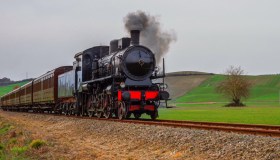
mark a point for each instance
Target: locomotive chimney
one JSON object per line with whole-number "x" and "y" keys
{"x": 135, "y": 34}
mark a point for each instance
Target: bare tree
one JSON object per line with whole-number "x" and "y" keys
{"x": 235, "y": 86}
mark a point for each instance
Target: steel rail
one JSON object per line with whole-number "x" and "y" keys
{"x": 265, "y": 130}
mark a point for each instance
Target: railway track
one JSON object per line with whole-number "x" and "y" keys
{"x": 265, "y": 130}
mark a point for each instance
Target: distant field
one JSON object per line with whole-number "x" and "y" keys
{"x": 8, "y": 88}
{"x": 265, "y": 88}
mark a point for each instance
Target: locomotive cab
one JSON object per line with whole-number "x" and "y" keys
{"x": 86, "y": 63}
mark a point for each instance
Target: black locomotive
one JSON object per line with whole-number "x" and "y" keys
{"x": 115, "y": 80}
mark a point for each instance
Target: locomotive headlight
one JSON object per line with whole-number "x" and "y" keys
{"x": 122, "y": 84}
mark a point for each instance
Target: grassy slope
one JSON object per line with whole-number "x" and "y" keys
{"x": 265, "y": 88}
{"x": 9, "y": 88}
{"x": 179, "y": 85}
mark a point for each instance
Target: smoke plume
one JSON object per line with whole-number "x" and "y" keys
{"x": 152, "y": 35}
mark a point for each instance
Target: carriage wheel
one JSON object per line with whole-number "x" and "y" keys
{"x": 68, "y": 105}
{"x": 64, "y": 108}
{"x": 72, "y": 109}
{"x": 121, "y": 110}
{"x": 76, "y": 111}
{"x": 69, "y": 109}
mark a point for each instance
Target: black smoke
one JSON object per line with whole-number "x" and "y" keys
{"x": 151, "y": 34}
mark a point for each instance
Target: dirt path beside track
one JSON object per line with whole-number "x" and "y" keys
{"x": 71, "y": 138}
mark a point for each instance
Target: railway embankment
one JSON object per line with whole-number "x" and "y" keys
{"x": 75, "y": 138}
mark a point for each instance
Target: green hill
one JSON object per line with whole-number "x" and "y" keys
{"x": 266, "y": 88}
{"x": 6, "y": 89}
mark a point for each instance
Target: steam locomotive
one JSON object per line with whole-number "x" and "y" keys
{"x": 106, "y": 81}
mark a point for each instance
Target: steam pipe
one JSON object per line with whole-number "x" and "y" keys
{"x": 135, "y": 34}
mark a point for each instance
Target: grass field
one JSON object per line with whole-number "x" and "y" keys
{"x": 8, "y": 88}
{"x": 203, "y": 103}
{"x": 213, "y": 113}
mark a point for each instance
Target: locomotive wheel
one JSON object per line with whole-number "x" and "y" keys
{"x": 121, "y": 110}
{"x": 137, "y": 115}
{"x": 99, "y": 114}
{"x": 90, "y": 107}
{"x": 99, "y": 110}
{"x": 115, "y": 112}
{"x": 90, "y": 113}
{"x": 107, "y": 108}
{"x": 128, "y": 115}
{"x": 154, "y": 115}
{"x": 107, "y": 112}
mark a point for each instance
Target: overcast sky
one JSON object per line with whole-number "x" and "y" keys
{"x": 39, "y": 35}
